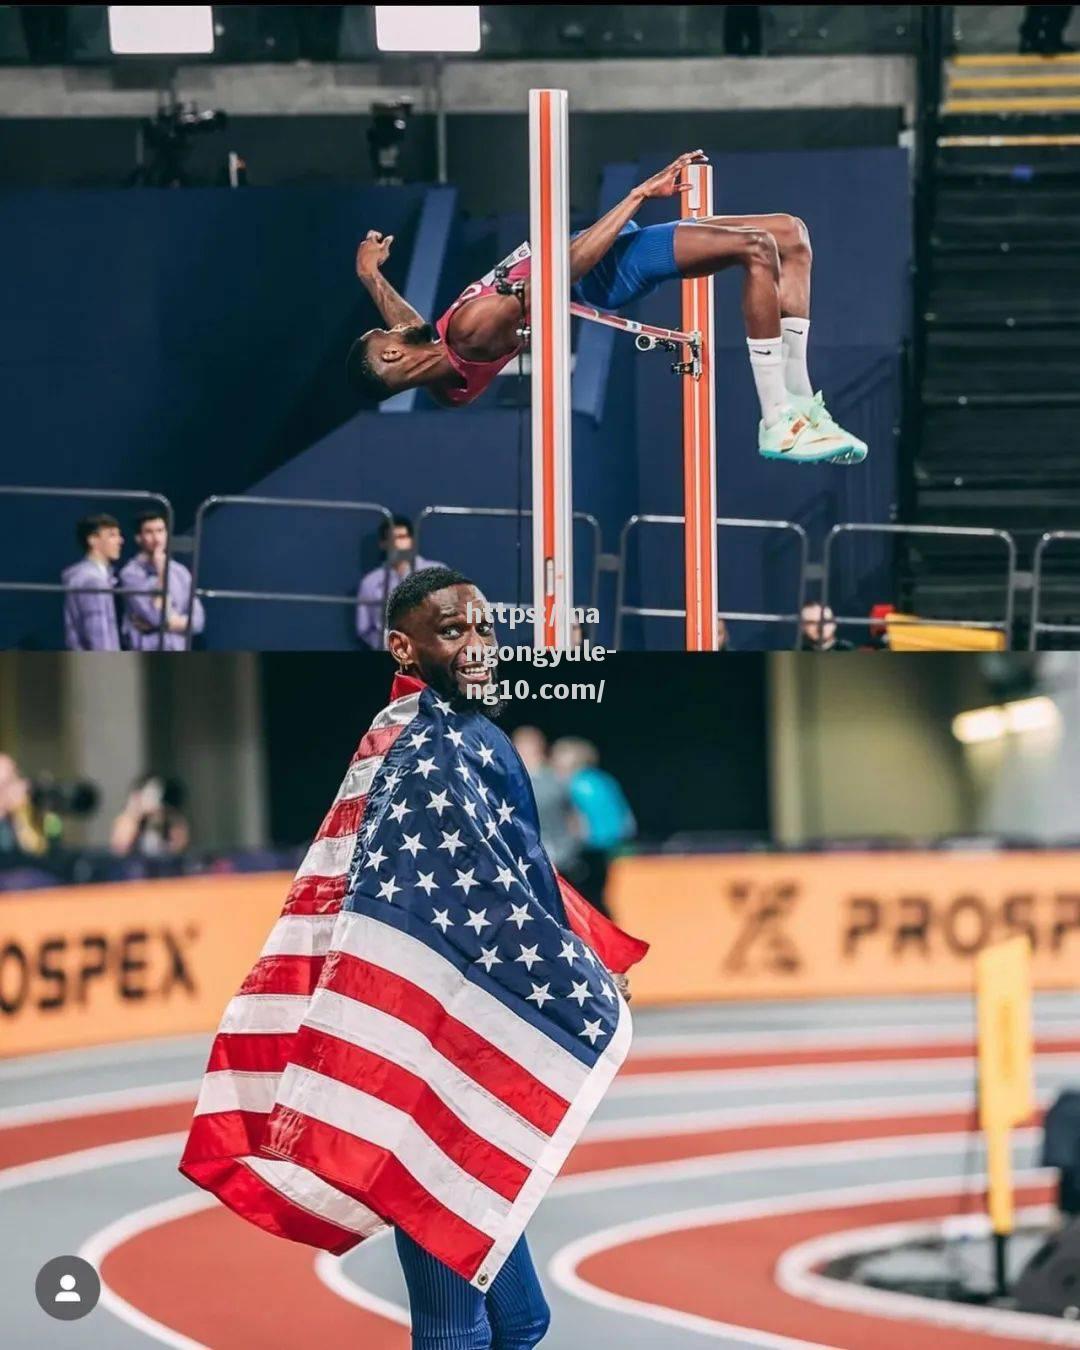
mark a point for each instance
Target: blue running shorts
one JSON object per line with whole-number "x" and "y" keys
{"x": 638, "y": 261}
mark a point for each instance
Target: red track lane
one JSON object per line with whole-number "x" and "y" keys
{"x": 846, "y": 1054}
{"x": 53, "y": 1138}
{"x": 205, "y": 1299}
{"x": 726, "y": 1272}
{"x": 233, "y": 1287}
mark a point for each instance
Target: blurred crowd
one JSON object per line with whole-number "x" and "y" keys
{"x": 34, "y": 814}
{"x": 585, "y": 819}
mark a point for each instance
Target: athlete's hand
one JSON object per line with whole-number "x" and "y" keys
{"x": 666, "y": 182}
{"x": 622, "y": 983}
{"x": 372, "y": 253}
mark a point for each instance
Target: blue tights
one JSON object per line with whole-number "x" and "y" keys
{"x": 449, "y": 1314}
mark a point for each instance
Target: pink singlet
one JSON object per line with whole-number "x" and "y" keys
{"x": 479, "y": 374}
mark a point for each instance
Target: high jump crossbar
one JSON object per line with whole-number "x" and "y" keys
{"x": 549, "y": 338}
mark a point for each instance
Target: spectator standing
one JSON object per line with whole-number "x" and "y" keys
{"x": 89, "y": 610}
{"x": 558, "y": 825}
{"x": 397, "y": 546}
{"x": 817, "y": 630}
{"x": 607, "y": 820}
{"x": 151, "y": 825}
{"x": 141, "y": 627}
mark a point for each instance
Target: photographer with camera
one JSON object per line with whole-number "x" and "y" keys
{"x": 152, "y": 824}
{"x": 19, "y": 832}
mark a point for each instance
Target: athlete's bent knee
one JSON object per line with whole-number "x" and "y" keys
{"x": 522, "y": 1335}
{"x": 761, "y": 251}
{"x": 796, "y": 237}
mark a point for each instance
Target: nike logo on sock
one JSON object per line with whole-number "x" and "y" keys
{"x": 797, "y": 331}
{"x": 758, "y": 352}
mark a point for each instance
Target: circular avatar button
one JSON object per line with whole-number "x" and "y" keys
{"x": 67, "y": 1287}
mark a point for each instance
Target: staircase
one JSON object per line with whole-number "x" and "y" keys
{"x": 999, "y": 413}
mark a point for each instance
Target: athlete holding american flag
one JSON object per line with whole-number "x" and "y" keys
{"x": 436, "y": 1014}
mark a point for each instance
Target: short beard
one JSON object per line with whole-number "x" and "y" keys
{"x": 442, "y": 681}
{"x": 419, "y": 335}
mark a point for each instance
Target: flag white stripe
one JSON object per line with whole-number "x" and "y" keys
{"x": 399, "y": 713}
{"x": 385, "y": 1035}
{"x": 264, "y": 1013}
{"x": 366, "y": 1117}
{"x": 382, "y": 945}
{"x": 228, "y": 1090}
{"x": 328, "y": 857}
{"x": 301, "y": 935}
{"x": 358, "y": 779}
{"x": 310, "y": 1192}
{"x": 568, "y": 1133}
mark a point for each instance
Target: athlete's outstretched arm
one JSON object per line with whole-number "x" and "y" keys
{"x": 370, "y": 256}
{"x": 591, "y": 244}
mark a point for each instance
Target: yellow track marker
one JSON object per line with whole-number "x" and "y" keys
{"x": 1010, "y": 105}
{"x": 978, "y": 142}
{"x": 1071, "y": 81}
{"x": 1027, "y": 59}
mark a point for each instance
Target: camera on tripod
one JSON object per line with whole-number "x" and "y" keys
{"x": 164, "y": 142}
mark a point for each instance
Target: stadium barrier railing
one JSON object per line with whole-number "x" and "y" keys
{"x": 215, "y": 503}
{"x": 1004, "y": 625}
{"x": 99, "y": 494}
{"x": 1039, "y": 625}
{"x": 788, "y": 527}
{"x": 510, "y": 513}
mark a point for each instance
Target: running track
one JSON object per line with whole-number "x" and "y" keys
{"x": 734, "y": 1144}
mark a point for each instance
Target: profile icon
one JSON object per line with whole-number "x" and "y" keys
{"x": 67, "y": 1288}
{"x": 68, "y": 1293}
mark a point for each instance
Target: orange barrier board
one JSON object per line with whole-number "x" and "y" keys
{"x": 817, "y": 925}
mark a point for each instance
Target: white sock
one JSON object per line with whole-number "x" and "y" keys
{"x": 796, "y": 334}
{"x": 767, "y": 363}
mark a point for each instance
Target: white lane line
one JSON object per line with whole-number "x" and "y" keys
{"x": 98, "y": 1246}
{"x": 88, "y": 1159}
{"x": 99, "y": 1103}
{"x": 802, "y": 1112}
{"x": 153, "y": 1050}
{"x": 563, "y": 1266}
{"x": 794, "y": 1155}
{"x": 330, "y": 1271}
{"x": 833, "y": 1038}
{"x": 797, "y": 1275}
{"x": 900, "y": 1070}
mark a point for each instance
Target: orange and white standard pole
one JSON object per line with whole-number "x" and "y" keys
{"x": 549, "y": 322}
{"x": 699, "y": 437}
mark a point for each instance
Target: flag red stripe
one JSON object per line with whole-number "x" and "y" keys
{"x": 283, "y": 975}
{"x": 376, "y": 1178}
{"x": 316, "y": 895}
{"x": 255, "y": 1200}
{"x": 376, "y": 742}
{"x": 343, "y": 818}
{"x": 251, "y": 1052}
{"x": 502, "y": 1076}
{"x": 397, "y": 1086}
{"x": 225, "y": 1134}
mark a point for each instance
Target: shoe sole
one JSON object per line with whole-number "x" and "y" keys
{"x": 823, "y": 457}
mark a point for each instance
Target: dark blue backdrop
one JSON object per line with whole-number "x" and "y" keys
{"x": 192, "y": 342}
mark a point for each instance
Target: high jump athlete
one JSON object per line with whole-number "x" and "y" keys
{"x": 614, "y": 263}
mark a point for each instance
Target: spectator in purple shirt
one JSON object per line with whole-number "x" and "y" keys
{"x": 142, "y": 613}
{"x": 89, "y": 610}
{"x": 373, "y": 594}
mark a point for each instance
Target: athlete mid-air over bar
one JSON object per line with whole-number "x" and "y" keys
{"x": 614, "y": 263}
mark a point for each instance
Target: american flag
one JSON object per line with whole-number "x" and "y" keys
{"x": 432, "y": 1020}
